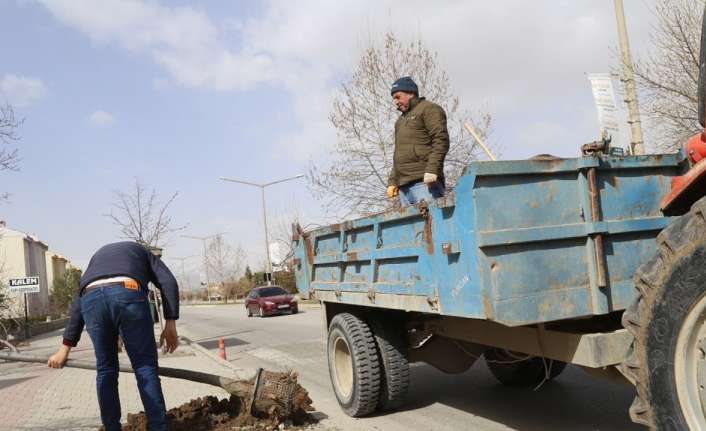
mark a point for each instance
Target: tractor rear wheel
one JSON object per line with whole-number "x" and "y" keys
{"x": 667, "y": 360}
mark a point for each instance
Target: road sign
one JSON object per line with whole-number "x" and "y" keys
{"x": 24, "y": 285}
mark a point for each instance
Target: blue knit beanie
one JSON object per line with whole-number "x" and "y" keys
{"x": 406, "y": 83}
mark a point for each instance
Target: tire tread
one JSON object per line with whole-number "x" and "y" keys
{"x": 366, "y": 365}
{"x": 675, "y": 242}
{"x": 395, "y": 374}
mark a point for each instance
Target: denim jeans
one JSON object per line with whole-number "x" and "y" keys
{"x": 109, "y": 311}
{"x": 415, "y": 193}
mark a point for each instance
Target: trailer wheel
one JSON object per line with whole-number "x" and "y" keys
{"x": 394, "y": 378}
{"x": 667, "y": 359}
{"x": 512, "y": 370}
{"x": 353, "y": 365}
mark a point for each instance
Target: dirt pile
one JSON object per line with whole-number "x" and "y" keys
{"x": 210, "y": 413}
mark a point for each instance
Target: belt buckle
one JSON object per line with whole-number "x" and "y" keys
{"x": 131, "y": 284}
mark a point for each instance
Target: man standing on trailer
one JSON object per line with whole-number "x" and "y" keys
{"x": 111, "y": 301}
{"x": 421, "y": 144}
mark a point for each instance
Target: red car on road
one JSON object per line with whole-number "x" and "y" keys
{"x": 268, "y": 300}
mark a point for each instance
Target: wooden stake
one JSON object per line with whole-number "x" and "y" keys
{"x": 473, "y": 133}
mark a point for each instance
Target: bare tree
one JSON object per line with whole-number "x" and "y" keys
{"x": 224, "y": 263}
{"x": 364, "y": 116}
{"x": 141, "y": 217}
{"x": 281, "y": 231}
{"x": 9, "y": 157}
{"x": 668, "y": 75}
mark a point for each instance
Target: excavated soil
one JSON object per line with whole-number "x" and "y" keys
{"x": 210, "y": 413}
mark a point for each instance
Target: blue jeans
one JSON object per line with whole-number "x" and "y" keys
{"x": 114, "y": 309}
{"x": 415, "y": 193}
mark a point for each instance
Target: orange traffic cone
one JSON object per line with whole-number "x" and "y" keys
{"x": 222, "y": 348}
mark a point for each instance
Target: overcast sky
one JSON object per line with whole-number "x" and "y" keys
{"x": 178, "y": 94}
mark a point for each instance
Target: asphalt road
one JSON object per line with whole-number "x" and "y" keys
{"x": 437, "y": 401}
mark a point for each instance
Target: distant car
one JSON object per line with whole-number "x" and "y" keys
{"x": 269, "y": 300}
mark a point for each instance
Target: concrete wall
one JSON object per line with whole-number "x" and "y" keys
{"x": 21, "y": 256}
{"x": 37, "y": 266}
{"x": 12, "y": 263}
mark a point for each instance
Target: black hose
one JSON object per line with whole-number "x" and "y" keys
{"x": 177, "y": 373}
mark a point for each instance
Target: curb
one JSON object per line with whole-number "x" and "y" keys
{"x": 240, "y": 373}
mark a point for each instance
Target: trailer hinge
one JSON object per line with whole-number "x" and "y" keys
{"x": 371, "y": 294}
{"x": 434, "y": 300}
{"x": 452, "y": 247}
{"x": 338, "y": 294}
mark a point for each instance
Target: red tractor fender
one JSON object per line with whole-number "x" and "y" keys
{"x": 690, "y": 187}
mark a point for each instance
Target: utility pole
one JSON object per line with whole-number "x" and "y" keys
{"x": 203, "y": 239}
{"x": 628, "y": 78}
{"x": 264, "y": 215}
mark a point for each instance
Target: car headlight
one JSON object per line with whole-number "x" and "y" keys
{"x": 269, "y": 303}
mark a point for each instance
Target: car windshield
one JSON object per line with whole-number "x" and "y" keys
{"x": 271, "y": 291}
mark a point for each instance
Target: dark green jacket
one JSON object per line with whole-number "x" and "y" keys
{"x": 421, "y": 143}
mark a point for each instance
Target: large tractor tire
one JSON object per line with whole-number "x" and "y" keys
{"x": 394, "y": 379}
{"x": 353, "y": 365}
{"x": 511, "y": 369}
{"x": 667, "y": 359}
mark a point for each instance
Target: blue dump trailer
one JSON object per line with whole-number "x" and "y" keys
{"x": 598, "y": 261}
{"x": 528, "y": 264}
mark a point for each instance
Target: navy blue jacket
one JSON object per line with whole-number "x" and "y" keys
{"x": 128, "y": 259}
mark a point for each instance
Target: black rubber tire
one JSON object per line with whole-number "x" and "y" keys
{"x": 394, "y": 376}
{"x": 667, "y": 286}
{"x": 260, "y": 312}
{"x": 529, "y": 372}
{"x": 365, "y": 391}
{"x": 247, "y": 309}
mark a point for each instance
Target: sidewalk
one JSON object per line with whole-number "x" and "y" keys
{"x": 34, "y": 397}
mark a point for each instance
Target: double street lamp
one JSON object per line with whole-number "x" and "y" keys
{"x": 264, "y": 213}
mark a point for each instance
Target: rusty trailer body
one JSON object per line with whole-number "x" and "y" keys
{"x": 517, "y": 242}
{"x": 529, "y": 264}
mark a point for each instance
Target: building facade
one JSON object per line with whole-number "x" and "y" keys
{"x": 24, "y": 255}
{"x": 57, "y": 265}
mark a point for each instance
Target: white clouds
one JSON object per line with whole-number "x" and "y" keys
{"x": 21, "y": 91}
{"x": 521, "y": 59}
{"x": 101, "y": 119}
{"x": 183, "y": 40}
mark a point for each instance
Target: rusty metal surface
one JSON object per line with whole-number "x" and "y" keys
{"x": 595, "y": 217}
{"x": 428, "y": 222}
{"x": 515, "y": 242}
{"x": 595, "y": 350}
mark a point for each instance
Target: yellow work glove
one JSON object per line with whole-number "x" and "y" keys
{"x": 429, "y": 178}
{"x": 392, "y": 191}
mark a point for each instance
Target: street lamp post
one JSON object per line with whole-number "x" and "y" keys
{"x": 183, "y": 269}
{"x": 203, "y": 239}
{"x": 264, "y": 212}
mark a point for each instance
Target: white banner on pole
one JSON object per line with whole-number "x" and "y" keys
{"x": 276, "y": 255}
{"x": 604, "y": 97}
